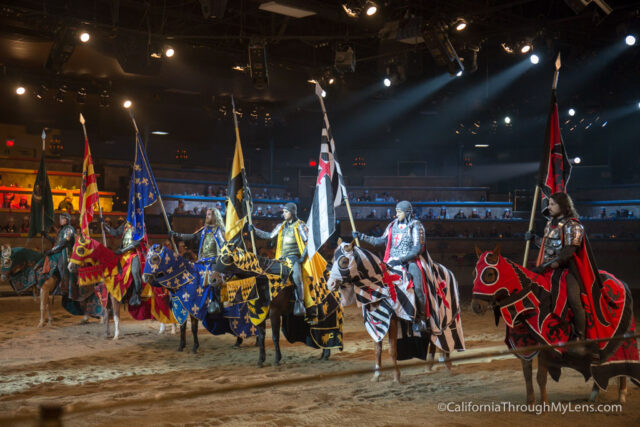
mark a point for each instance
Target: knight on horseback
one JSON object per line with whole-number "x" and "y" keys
{"x": 563, "y": 236}
{"x": 128, "y": 246}
{"x": 58, "y": 255}
{"x": 291, "y": 249}
{"x": 405, "y": 242}
{"x": 211, "y": 237}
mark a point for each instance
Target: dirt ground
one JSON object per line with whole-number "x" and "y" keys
{"x": 73, "y": 364}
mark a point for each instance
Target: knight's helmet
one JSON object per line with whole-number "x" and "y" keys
{"x": 67, "y": 216}
{"x": 405, "y": 207}
{"x": 291, "y": 207}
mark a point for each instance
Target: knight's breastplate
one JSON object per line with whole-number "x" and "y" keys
{"x": 127, "y": 238}
{"x": 552, "y": 242}
{"x": 289, "y": 244}
{"x": 401, "y": 241}
{"x": 65, "y": 235}
{"x": 208, "y": 248}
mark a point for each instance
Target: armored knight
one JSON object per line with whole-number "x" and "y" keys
{"x": 563, "y": 236}
{"x": 129, "y": 246}
{"x": 405, "y": 242}
{"x": 291, "y": 248}
{"x": 60, "y": 253}
{"x": 211, "y": 239}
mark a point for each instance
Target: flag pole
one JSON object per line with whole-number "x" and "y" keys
{"x": 44, "y": 137}
{"x": 86, "y": 139}
{"x": 536, "y": 193}
{"x": 326, "y": 123}
{"x": 155, "y": 186}
{"x": 235, "y": 122}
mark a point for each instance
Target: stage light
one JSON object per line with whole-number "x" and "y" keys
{"x": 482, "y": 145}
{"x": 577, "y": 160}
{"x": 40, "y": 91}
{"x": 324, "y": 93}
{"x": 387, "y": 81}
{"x": 20, "y": 90}
{"x": 459, "y": 73}
{"x": 526, "y": 47}
{"x": 507, "y": 48}
{"x": 371, "y": 8}
{"x": 572, "y": 112}
{"x": 605, "y": 124}
{"x": 169, "y": 52}
{"x": 460, "y": 24}
{"x": 534, "y": 59}
{"x": 60, "y": 94}
{"x": 84, "y": 37}
{"x": 127, "y": 104}
{"x": 81, "y": 95}
{"x": 630, "y": 40}
{"x": 160, "y": 132}
{"x": 638, "y": 104}
{"x": 507, "y": 120}
{"x": 331, "y": 80}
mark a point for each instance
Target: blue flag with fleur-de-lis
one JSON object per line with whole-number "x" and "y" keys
{"x": 142, "y": 191}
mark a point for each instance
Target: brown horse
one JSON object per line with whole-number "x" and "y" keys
{"x": 498, "y": 283}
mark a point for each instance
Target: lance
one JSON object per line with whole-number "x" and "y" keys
{"x": 536, "y": 193}
{"x": 153, "y": 182}
{"x": 235, "y": 122}
{"x": 330, "y": 138}
{"x": 86, "y": 140}
{"x": 44, "y": 137}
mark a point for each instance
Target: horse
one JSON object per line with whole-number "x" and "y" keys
{"x": 525, "y": 301}
{"x": 24, "y": 267}
{"x": 272, "y": 298}
{"x": 191, "y": 295}
{"x": 387, "y": 305}
{"x": 97, "y": 264}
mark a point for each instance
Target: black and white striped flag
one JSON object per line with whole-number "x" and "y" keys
{"x": 330, "y": 190}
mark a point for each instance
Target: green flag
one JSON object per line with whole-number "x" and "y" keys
{"x": 41, "y": 203}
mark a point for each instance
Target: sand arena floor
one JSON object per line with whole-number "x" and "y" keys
{"x": 72, "y": 364}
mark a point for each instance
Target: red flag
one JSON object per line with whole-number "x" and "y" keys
{"x": 555, "y": 167}
{"x": 89, "y": 197}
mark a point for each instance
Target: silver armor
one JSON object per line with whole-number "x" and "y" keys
{"x": 289, "y": 244}
{"x": 127, "y": 238}
{"x": 407, "y": 239}
{"x": 209, "y": 246}
{"x": 568, "y": 232}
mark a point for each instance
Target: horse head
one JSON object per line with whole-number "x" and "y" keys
{"x": 7, "y": 261}
{"x": 344, "y": 268}
{"x": 90, "y": 252}
{"x": 164, "y": 268}
{"x": 492, "y": 280}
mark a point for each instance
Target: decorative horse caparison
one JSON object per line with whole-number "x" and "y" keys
{"x": 191, "y": 294}
{"x": 25, "y": 269}
{"x": 98, "y": 265}
{"x": 272, "y": 298}
{"x": 388, "y": 305}
{"x": 525, "y": 302}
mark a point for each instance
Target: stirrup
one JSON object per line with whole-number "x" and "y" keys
{"x": 135, "y": 299}
{"x": 420, "y": 326}
{"x": 213, "y": 307}
{"x": 298, "y": 309}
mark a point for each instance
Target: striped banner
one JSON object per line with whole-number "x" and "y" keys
{"x": 89, "y": 196}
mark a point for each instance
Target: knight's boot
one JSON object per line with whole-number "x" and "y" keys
{"x": 135, "y": 295}
{"x": 214, "y": 306}
{"x": 298, "y": 306}
{"x": 420, "y": 322}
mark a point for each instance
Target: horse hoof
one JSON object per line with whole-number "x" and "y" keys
{"x": 623, "y": 399}
{"x": 276, "y": 363}
{"x": 116, "y": 337}
{"x": 180, "y": 348}
{"x": 260, "y": 364}
{"x": 375, "y": 378}
{"x": 194, "y": 350}
{"x": 593, "y": 395}
{"x": 397, "y": 381}
{"x": 41, "y": 324}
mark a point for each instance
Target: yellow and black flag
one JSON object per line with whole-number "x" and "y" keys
{"x": 238, "y": 195}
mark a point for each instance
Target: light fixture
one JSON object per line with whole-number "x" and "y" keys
{"x": 324, "y": 93}
{"x": 572, "y": 112}
{"x": 577, "y": 160}
{"x": 40, "y": 91}
{"x": 507, "y": 120}
{"x": 630, "y": 40}
{"x": 331, "y": 80}
{"x": 638, "y": 104}
{"x": 507, "y": 48}
{"x": 60, "y": 94}
{"x": 534, "y": 59}
{"x": 526, "y": 47}
{"x": 160, "y": 132}
{"x": 482, "y": 145}
{"x": 127, "y": 104}
{"x": 460, "y": 24}
{"x": 105, "y": 98}
{"x": 84, "y": 37}
{"x": 239, "y": 68}
{"x": 20, "y": 90}
{"x": 387, "y": 81}
{"x": 459, "y": 73}
{"x": 169, "y": 52}
{"x": 370, "y": 8}
{"x": 81, "y": 95}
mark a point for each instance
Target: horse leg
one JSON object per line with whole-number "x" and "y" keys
{"x": 47, "y": 286}
{"x": 275, "y": 334}
{"x": 393, "y": 349}
{"x": 260, "y": 342}
{"x": 595, "y": 391}
{"x": 116, "y": 317}
{"x": 542, "y": 377}
{"x": 183, "y": 339}
{"x": 173, "y": 329}
{"x": 105, "y": 319}
{"x": 378, "y": 351}
{"x": 431, "y": 355}
{"x": 194, "y": 332}
{"x": 527, "y": 370}
{"x": 326, "y": 353}
{"x": 163, "y": 328}
{"x": 622, "y": 391}
{"x": 238, "y": 342}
